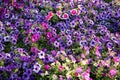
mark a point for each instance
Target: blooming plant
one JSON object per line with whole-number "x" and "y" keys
{"x": 59, "y": 40}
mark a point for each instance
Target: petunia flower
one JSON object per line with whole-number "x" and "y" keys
{"x": 112, "y": 72}
{"x": 49, "y": 16}
{"x": 49, "y": 35}
{"x": 41, "y": 54}
{"x": 34, "y": 49}
{"x": 86, "y": 76}
{"x": 36, "y": 67}
{"x": 72, "y": 58}
{"x": 79, "y": 70}
{"x": 47, "y": 67}
{"x": 73, "y": 11}
{"x": 44, "y": 25}
{"x": 60, "y": 77}
{"x": 59, "y": 13}
{"x": 35, "y": 37}
{"x": 61, "y": 68}
{"x": 65, "y": 16}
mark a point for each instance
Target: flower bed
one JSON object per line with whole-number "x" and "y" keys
{"x": 59, "y": 40}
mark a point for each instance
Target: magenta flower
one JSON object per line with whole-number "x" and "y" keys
{"x": 74, "y": 11}
{"x": 59, "y": 13}
{"x": 47, "y": 67}
{"x": 116, "y": 59}
{"x": 49, "y": 35}
{"x": 34, "y": 49}
{"x": 45, "y": 26}
{"x": 35, "y": 37}
{"x": 49, "y": 16}
{"x": 65, "y": 16}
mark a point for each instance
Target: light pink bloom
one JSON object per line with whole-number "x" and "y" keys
{"x": 116, "y": 59}
{"x": 79, "y": 69}
{"x": 59, "y": 13}
{"x": 86, "y": 76}
{"x": 97, "y": 51}
{"x": 72, "y": 58}
{"x": 87, "y": 50}
{"x": 61, "y": 68}
{"x": 83, "y": 55}
{"x": 104, "y": 63}
{"x": 88, "y": 69}
{"x": 113, "y": 72}
{"x": 61, "y": 78}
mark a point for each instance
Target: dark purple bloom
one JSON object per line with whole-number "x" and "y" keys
{"x": 25, "y": 76}
{"x": 25, "y": 65}
{"x": 109, "y": 45}
{"x": 8, "y": 68}
{"x": 28, "y": 71}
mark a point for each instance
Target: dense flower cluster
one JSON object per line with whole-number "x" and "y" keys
{"x": 59, "y": 40}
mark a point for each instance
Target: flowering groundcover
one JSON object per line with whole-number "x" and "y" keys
{"x": 59, "y": 40}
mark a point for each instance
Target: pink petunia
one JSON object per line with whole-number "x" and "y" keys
{"x": 61, "y": 77}
{"x": 79, "y": 69}
{"x": 34, "y": 49}
{"x": 59, "y": 13}
{"x": 98, "y": 54}
{"x": 49, "y": 16}
{"x": 116, "y": 59}
{"x": 65, "y": 16}
{"x": 74, "y": 11}
{"x": 45, "y": 26}
{"x": 113, "y": 72}
{"x": 61, "y": 68}
{"x": 47, "y": 67}
{"x": 49, "y": 35}
{"x": 86, "y": 76}
{"x": 50, "y": 13}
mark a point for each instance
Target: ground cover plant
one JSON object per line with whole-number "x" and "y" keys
{"x": 59, "y": 40}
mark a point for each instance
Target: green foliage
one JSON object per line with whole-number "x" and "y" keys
{"x": 1, "y": 63}
{"x": 7, "y": 47}
{"x": 108, "y": 1}
{"x": 55, "y": 19}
